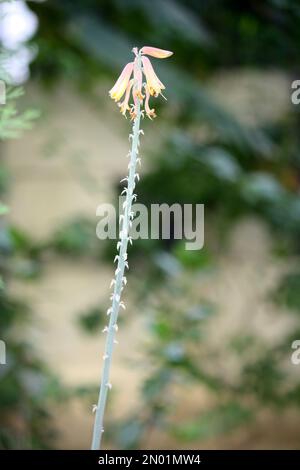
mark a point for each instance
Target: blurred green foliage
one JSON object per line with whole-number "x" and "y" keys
{"x": 25, "y": 385}
{"x": 220, "y": 420}
{"x": 25, "y": 382}
{"x": 288, "y": 292}
{"x": 12, "y": 123}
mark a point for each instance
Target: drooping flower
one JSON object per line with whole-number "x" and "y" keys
{"x": 134, "y": 86}
{"x": 120, "y": 86}
{"x": 153, "y": 82}
{"x": 155, "y": 52}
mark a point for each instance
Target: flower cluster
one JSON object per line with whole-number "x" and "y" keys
{"x": 131, "y": 82}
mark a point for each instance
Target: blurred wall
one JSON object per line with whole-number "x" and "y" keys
{"x": 67, "y": 166}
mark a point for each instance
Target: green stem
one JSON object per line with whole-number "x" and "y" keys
{"x": 118, "y": 283}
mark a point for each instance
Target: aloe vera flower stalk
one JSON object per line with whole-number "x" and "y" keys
{"x": 130, "y": 83}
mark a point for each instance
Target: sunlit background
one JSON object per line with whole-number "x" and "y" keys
{"x": 205, "y": 344}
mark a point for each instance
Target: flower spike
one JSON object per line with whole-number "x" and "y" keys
{"x": 136, "y": 101}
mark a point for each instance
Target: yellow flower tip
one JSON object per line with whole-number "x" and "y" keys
{"x": 155, "y": 52}
{"x": 154, "y": 92}
{"x": 139, "y": 95}
{"x": 151, "y": 114}
{"x": 124, "y": 105}
{"x": 123, "y": 108}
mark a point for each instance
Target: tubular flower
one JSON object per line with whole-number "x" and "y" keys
{"x": 134, "y": 86}
{"x": 120, "y": 86}
{"x": 153, "y": 82}
{"x": 155, "y": 52}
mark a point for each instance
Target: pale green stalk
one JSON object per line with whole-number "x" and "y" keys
{"x": 119, "y": 281}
